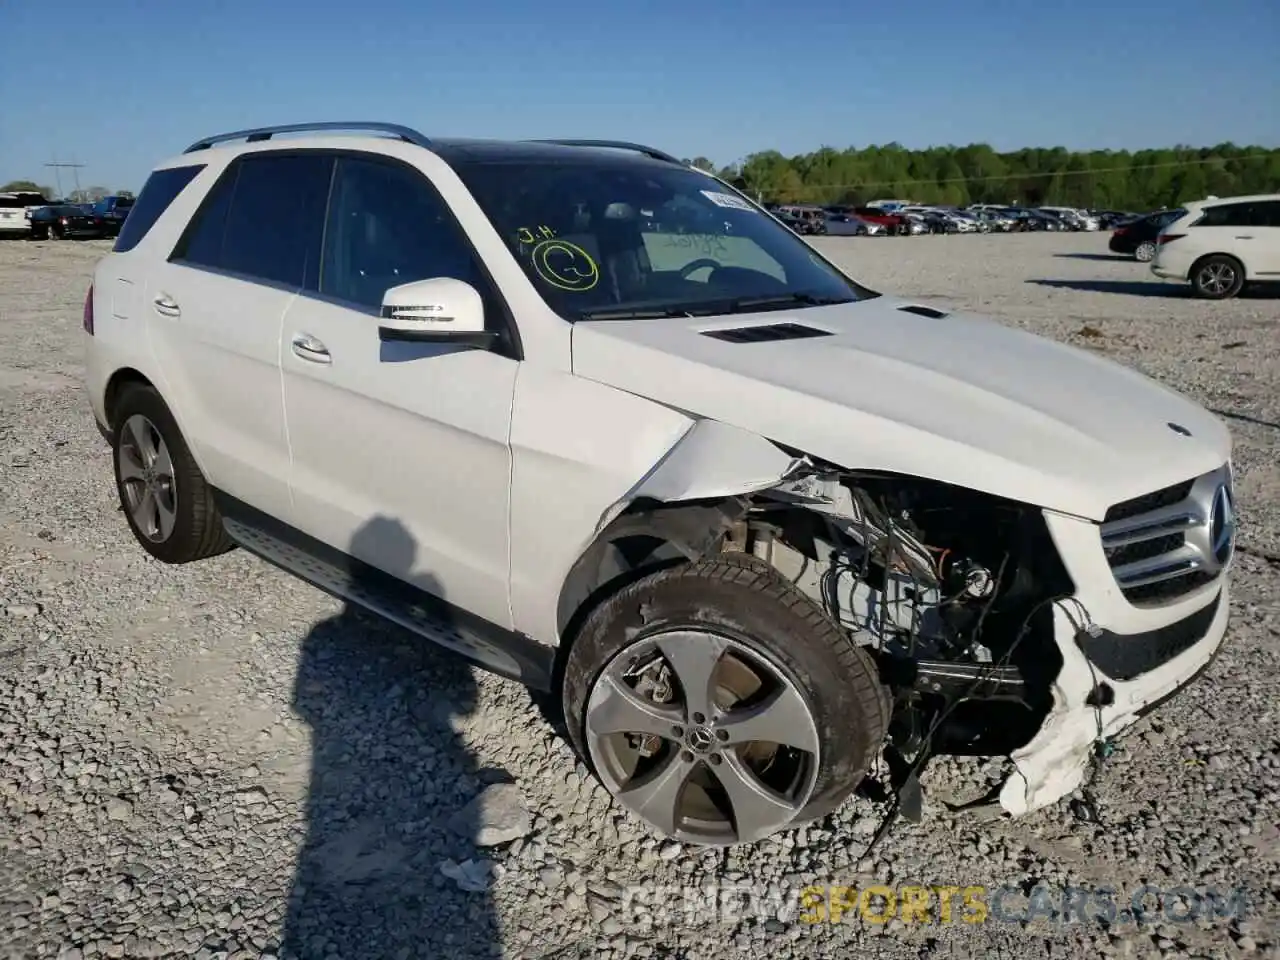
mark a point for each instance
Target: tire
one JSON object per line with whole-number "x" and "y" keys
{"x": 51, "y": 233}
{"x": 183, "y": 523}
{"x": 728, "y": 611}
{"x": 1145, "y": 252}
{"x": 1218, "y": 277}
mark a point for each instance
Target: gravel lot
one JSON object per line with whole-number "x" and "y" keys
{"x": 217, "y": 760}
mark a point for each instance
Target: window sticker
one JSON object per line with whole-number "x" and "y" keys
{"x": 728, "y": 200}
{"x": 565, "y": 265}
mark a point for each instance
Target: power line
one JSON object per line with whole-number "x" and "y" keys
{"x": 1032, "y": 174}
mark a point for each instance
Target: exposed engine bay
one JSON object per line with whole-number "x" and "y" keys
{"x": 949, "y": 590}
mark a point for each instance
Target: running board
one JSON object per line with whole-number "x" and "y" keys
{"x": 500, "y": 651}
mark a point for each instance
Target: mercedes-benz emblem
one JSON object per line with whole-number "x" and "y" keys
{"x": 1178, "y": 429}
{"x": 1222, "y": 524}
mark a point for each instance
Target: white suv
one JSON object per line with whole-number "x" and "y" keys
{"x": 1220, "y": 245}
{"x": 597, "y": 421}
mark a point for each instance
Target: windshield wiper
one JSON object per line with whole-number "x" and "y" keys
{"x": 747, "y": 304}
{"x": 639, "y": 313}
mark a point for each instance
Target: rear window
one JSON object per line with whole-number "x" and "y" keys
{"x": 160, "y": 190}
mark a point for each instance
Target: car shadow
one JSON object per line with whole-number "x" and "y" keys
{"x": 1133, "y": 288}
{"x": 1095, "y": 256}
{"x": 1245, "y": 418}
{"x": 1152, "y": 288}
{"x": 389, "y": 786}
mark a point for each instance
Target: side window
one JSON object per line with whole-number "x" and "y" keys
{"x": 277, "y": 217}
{"x": 264, "y": 219}
{"x": 160, "y": 190}
{"x": 1226, "y": 215}
{"x": 388, "y": 226}
{"x": 201, "y": 243}
{"x": 1266, "y": 213}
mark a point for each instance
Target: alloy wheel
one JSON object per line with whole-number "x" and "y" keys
{"x": 702, "y": 737}
{"x": 146, "y": 478}
{"x": 1217, "y": 278}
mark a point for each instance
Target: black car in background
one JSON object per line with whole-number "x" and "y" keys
{"x": 113, "y": 211}
{"x": 64, "y": 221}
{"x": 1137, "y": 238}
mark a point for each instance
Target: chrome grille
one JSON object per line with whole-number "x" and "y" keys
{"x": 1167, "y": 543}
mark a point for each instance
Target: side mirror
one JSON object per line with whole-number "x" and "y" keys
{"x": 439, "y": 310}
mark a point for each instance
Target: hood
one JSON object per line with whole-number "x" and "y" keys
{"x": 953, "y": 397}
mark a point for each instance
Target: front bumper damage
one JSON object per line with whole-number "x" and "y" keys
{"x": 1126, "y": 663}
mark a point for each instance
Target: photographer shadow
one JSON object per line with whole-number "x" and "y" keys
{"x": 389, "y": 775}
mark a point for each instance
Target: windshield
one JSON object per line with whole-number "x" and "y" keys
{"x": 625, "y": 240}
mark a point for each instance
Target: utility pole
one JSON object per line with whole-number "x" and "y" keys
{"x": 60, "y": 165}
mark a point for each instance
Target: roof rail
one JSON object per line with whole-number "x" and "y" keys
{"x": 653, "y": 152}
{"x": 258, "y": 134}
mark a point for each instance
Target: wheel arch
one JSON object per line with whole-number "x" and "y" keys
{"x": 681, "y": 510}
{"x": 116, "y": 385}
{"x": 1199, "y": 262}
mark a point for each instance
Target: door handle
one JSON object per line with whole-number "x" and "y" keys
{"x": 309, "y": 348}
{"x": 1246, "y": 237}
{"x": 166, "y": 305}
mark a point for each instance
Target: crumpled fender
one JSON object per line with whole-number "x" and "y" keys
{"x": 710, "y": 461}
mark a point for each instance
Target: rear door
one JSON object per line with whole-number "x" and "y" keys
{"x": 1266, "y": 236}
{"x": 1232, "y": 228}
{"x": 215, "y": 310}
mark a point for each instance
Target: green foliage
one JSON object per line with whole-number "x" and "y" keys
{"x": 1101, "y": 179}
{"x": 25, "y": 186}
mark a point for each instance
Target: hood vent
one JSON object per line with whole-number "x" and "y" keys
{"x": 767, "y": 332}
{"x": 921, "y": 311}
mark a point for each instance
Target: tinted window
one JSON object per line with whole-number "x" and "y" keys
{"x": 620, "y": 237}
{"x": 1226, "y": 215}
{"x": 388, "y": 226}
{"x": 1266, "y": 213}
{"x": 157, "y": 193}
{"x": 201, "y": 242}
{"x": 277, "y": 216}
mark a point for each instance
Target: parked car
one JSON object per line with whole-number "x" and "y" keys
{"x": 848, "y": 225}
{"x": 1219, "y": 245}
{"x": 996, "y": 220}
{"x": 1138, "y": 237}
{"x": 15, "y": 212}
{"x": 893, "y": 223}
{"x": 65, "y": 222}
{"x": 113, "y": 210}
{"x": 1073, "y": 218}
{"x": 641, "y": 474}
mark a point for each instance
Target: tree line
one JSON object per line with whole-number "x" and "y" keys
{"x": 957, "y": 176}
{"x": 82, "y": 195}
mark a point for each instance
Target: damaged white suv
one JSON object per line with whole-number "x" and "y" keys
{"x": 597, "y": 421}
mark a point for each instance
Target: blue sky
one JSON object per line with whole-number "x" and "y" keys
{"x": 137, "y": 80}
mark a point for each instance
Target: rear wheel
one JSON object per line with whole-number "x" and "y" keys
{"x": 719, "y": 704}
{"x": 163, "y": 494}
{"x": 1217, "y": 278}
{"x": 1145, "y": 252}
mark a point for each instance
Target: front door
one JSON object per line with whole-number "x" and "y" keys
{"x": 401, "y": 453}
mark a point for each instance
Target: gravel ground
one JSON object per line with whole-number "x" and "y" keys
{"x": 219, "y": 761}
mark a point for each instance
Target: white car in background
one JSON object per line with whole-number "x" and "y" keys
{"x": 1219, "y": 245}
{"x": 15, "y": 211}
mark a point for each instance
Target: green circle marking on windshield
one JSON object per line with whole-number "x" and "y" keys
{"x": 565, "y": 265}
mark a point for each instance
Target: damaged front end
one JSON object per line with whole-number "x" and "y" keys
{"x": 951, "y": 591}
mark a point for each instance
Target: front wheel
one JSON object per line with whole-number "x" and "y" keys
{"x": 719, "y": 704}
{"x": 1146, "y": 252}
{"x": 1217, "y": 278}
